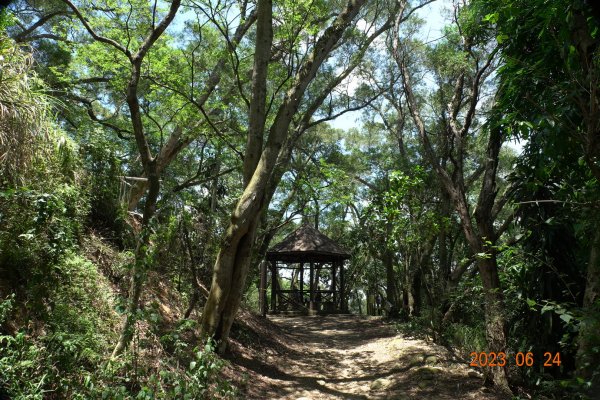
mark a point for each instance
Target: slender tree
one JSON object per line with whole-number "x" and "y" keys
{"x": 135, "y": 60}
{"x": 460, "y": 115}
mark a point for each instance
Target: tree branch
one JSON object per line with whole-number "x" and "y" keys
{"x": 475, "y": 88}
{"x": 90, "y": 111}
{"x": 93, "y": 33}
{"x": 156, "y": 32}
{"x": 505, "y": 225}
{"x": 21, "y": 36}
{"x": 192, "y": 182}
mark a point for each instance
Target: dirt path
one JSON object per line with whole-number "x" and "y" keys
{"x": 351, "y": 357}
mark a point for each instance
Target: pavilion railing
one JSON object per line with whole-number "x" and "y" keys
{"x": 296, "y": 300}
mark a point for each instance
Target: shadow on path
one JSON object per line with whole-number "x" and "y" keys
{"x": 354, "y": 357}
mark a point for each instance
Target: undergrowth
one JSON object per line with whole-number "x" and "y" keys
{"x": 67, "y": 354}
{"x": 61, "y": 284}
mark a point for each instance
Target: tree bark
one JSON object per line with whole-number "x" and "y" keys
{"x": 391, "y": 288}
{"x": 588, "y": 360}
{"x": 234, "y": 259}
{"x": 416, "y": 284}
{"x": 257, "y": 114}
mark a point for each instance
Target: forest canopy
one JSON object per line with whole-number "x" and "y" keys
{"x": 152, "y": 152}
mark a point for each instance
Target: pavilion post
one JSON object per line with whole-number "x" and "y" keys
{"x": 333, "y": 284}
{"x": 342, "y": 289}
{"x": 312, "y": 286}
{"x": 302, "y": 283}
{"x": 263, "y": 288}
{"x": 273, "y": 286}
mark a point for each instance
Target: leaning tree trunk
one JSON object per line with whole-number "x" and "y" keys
{"x": 232, "y": 264}
{"x": 231, "y": 269}
{"x": 148, "y": 161}
{"x": 151, "y": 169}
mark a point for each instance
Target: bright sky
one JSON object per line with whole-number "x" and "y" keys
{"x": 432, "y": 14}
{"x": 436, "y": 16}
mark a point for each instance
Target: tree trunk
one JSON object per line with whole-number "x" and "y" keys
{"x": 257, "y": 112}
{"x": 588, "y": 359}
{"x": 488, "y": 270}
{"x": 232, "y": 264}
{"x": 150, "y": 164}
{"x": 485, "y": 212}
{"x": 495, "y": 329}
{"x": 443, "y": 237}
{"x": 391, "y": 289}
{"x": 140, "y": 267}
{"x": 229, "y": 278}
{"x": 359, "y": 299}
{"x": 416, "y": 293}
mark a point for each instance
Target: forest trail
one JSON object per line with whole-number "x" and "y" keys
{"x": 353, "y": 357}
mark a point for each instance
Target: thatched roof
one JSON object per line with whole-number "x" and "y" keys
{"x": 306, "y": 244}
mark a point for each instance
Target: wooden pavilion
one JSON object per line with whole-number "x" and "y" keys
{"x": 314, "y": 276}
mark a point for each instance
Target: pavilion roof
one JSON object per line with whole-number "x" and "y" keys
{"x": 307, "y": 244}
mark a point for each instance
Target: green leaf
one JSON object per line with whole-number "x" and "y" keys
{"x": 492, "y": 18}
{"x": 531, "y": 303}
{"x": 547, "y": 307}
{"x": 566, "y": 317}
{"x": 501, "y": 38}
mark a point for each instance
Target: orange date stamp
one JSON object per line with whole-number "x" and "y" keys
{"x": 521, "y": 359}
